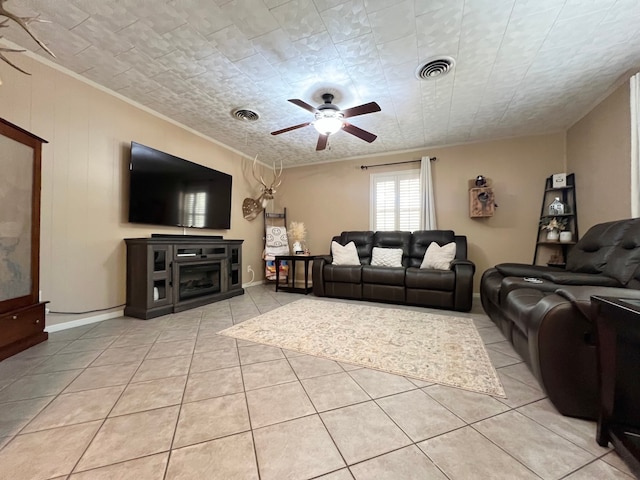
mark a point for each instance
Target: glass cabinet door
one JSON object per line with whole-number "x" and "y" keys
{"x": 160, "y": 265}
{"x": 17, "y": 170}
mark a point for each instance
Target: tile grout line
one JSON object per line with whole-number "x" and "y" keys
{"x": 246, "y": 404}
{"x": 184, "y": 389}
{"x": 509, "y": 408}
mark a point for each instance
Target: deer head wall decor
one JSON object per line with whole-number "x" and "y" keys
{"x": 251, "y": 207}
{"x": 24, "y": 23}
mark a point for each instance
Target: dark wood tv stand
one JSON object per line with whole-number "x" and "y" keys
{"x": 169, "y": 274}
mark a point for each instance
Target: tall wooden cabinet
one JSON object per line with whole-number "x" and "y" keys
{"x": 22, "y": 315}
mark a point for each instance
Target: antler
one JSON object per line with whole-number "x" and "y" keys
{"x": 253, "y": 171}
{"x": 277, "y": 176}
{"x": 24, "y": 23}
{"x": 250, "y": 206}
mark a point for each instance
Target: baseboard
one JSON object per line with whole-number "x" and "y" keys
{"x": 476, "y": 295}
{"x": 79, "y": 322}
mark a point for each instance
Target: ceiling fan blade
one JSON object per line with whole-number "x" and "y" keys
{"x": 361, "y": 110}
{"x": 358, "y": 132}
{"x": 322, "y": 142}
{"x": 288, "y": 129}
{"x": 302, "y": 104}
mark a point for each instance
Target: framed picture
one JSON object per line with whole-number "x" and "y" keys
{"x": 559, "y": 180}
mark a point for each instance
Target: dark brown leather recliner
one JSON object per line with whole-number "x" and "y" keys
{"x": 550, "y": 324}
{"x": 409, "y": 284}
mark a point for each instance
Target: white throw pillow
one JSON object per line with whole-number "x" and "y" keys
{"x": 386, "y": 257}
{"x": 344, "y": 255}
{"x": 438, "y": 257}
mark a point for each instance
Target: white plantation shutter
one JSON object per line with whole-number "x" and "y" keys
{"x": 395, "y": 201}
{"x": 385, "y": 211}
{"x": 409, "y": 203}
{"x": 195, "y": 209}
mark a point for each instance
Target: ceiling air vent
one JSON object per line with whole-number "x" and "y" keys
{"x": 245, "y": 114}
{"x": 436, "y": 68}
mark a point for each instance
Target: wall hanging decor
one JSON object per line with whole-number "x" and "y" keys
{"x": 481, "y": 198}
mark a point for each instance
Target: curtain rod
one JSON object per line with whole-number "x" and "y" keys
{"x": 364, "y": 167}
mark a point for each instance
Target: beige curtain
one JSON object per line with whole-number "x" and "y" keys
{"x": 635, "y": 147}
{"x": 428, "y": 219}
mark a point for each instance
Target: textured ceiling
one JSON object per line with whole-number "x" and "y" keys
{"x": 522, "y": 66}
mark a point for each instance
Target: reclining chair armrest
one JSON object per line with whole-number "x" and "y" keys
{"x": 585, "y": 292}
{"x": 459, "y": 261}
{"x": 463, "y": 294}
{"x": 524, "y": 270}
{"x": 317, "y": 274}
{"x": 561, "y": 354}
{"x": 580, "y": 296}
{"x": 580, "y": 279}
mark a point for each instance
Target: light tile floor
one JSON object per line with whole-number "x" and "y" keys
{"x": 170, "y": 399}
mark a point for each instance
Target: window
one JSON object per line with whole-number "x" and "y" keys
{"x": 395, "y": 201}
{"x": 195, "y": 209}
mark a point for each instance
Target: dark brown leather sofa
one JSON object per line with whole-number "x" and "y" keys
{"x": 409, "y": 284}
{"x": 549, "y": 323}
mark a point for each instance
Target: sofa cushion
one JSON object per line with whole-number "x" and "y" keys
{"x": 439, "y": 257}
{"x": 386, "y": 257}
{"x": 363, "y": 241}
{"x": 343, "y": 273}
{"x": 592, "y": 252}
{"x": 625, "y": 257}
{"x": 510, "y": 284}
{"x": 344, "y": 255}
{"x": 430, "y": 279}
{"x": 394, "y": 239}
{"x": 421, "y": 239}
{"x": 383, "y": 275}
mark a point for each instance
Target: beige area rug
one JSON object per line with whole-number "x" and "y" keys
{"x": 425, "y": 346}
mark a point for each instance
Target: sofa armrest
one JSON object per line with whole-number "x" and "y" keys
{"x": 581, "y": 296}
{"x": 524, "y": 270}
{"x": 456, "y": 261}
{"x": 317, "y": 274}
{"x": 562, "y": 355}
{"x": 463, "y": 294}
{"x": 576, "y": 278}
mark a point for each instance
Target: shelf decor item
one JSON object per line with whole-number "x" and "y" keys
{"x": 557, "y": 207}
{"x": 298, "y": 234}
{"x": 565, "y": 237}
{"x": 559, "y": 180}
{"x": 553, "y": 236}
{"x": 553, "y": 226}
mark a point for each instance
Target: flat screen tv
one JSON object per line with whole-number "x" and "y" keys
{"x": 167, "y": 190}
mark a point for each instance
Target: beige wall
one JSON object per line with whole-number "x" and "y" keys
{"x": 599, "y": 153}
{"x": 333, "y": 197}
{"x": 84, "y": 182}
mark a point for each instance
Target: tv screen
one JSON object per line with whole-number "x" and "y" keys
{"x": 167, "y": 190}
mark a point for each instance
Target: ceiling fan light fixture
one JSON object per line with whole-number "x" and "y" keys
{"x": 326, "y": 125}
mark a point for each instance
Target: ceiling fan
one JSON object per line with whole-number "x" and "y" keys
{"x": 329, "y": 119}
